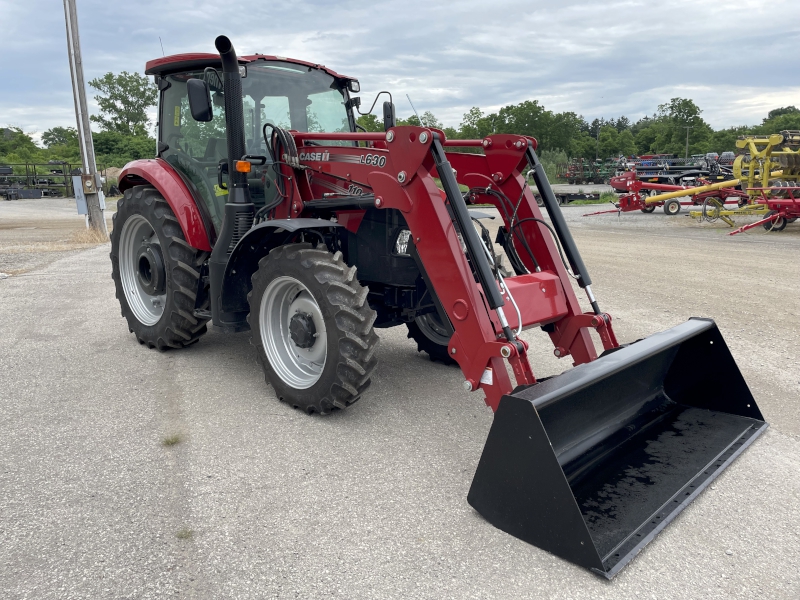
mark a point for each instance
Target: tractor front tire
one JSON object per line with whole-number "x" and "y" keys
{"x": 155, "y": 271}
{"x": 431, "y": 337}
{"x": 312, "y": 328}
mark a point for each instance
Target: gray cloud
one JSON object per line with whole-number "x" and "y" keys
{"x": 596, "y": 59}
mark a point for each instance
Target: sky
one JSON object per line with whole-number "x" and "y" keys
{"x": 734, "y": 58}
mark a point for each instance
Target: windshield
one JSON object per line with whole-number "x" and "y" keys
{"x": 291, "y": 96}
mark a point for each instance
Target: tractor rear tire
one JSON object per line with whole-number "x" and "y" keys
{"x": 672, "y": 206}
{"x": 312, "y": 328}
{"x": 431, "y": 338}
{"x": 156, "y": 272}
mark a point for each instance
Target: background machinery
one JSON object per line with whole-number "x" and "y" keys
{"x": 769, "y": 172}
{"x": 646, "y": 196}
{"x": 266, "y": 210}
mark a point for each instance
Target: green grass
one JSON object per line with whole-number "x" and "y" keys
{"x": 172, "y": 440}
{"x": 582, "y": 202}
{"x": 438, "y": 182}
{"x": 608, "y": 197}
{"x": 605, "y": 198}
{"x": 184, "y": 534}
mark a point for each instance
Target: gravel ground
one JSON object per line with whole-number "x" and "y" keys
{"x": 28, "y": 242}
{"x": 257, "y": 500}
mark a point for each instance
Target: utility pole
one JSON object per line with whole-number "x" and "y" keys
{"x": 90, "y": 178}
{"x": 597, "y": 139}
{"x": 687, "y": 128}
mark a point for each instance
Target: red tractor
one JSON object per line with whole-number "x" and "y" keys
{"x": 267, "y": 210}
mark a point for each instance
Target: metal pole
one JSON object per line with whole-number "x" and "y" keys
{"x": 597, "y": 145}
{"x": 95, "y": 217}
{"x": 687, "y": 128}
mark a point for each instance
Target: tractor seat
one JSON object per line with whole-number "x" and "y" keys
{"x": 216, "y": 149}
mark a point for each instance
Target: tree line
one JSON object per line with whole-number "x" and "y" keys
{"x": 122, "y": 121}
{"x": 567, "y": 133}
{"x": 123, "y": 126}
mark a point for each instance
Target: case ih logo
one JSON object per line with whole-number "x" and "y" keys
{"x": 373, "y": 160}
{"x": 318, "y": 156}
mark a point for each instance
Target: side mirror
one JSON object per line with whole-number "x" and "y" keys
{"x": 389, "y": 118}
{"x": 199, "y": 100}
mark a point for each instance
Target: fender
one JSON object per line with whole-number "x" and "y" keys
{"x": 255, "y": 245}
{"x": 160, "y": 174}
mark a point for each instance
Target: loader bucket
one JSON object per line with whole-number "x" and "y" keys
{"x": 591, "y": 464}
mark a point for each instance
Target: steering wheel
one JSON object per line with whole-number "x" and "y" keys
{"x": 177, "y": 136}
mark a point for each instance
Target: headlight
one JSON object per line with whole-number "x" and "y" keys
{"x": 401, "y": 244}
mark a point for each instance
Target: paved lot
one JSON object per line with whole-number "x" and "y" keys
{"x": 257, "y": 500}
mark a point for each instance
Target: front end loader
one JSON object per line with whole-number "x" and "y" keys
{"x": 267, "y": 210}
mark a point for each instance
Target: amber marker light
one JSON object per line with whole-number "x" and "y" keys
{"x": 242, "y": 166}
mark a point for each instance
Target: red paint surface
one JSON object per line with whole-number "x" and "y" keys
{"x": 477, "y": 344}
{"x": 167, "y": 63}
{"x": 160, "y": 174}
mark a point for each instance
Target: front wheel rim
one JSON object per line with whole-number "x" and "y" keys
{"x": 147, "y": 308}
{"x": 297, "y": 367}
{"x": 431, "y": 325}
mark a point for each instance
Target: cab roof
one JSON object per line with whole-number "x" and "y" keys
{"x": 199, "y": 60}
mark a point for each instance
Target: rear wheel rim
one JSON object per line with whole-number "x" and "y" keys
{"x": 297, "y": 367}
{"x": 147, "y": 308}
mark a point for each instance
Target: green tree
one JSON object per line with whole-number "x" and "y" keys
{"x": 777, "y": 112}
{"x": 608, "y": 141}
{"x": 123, "y": 100}
{"x": 17, "y": 146}
{"x": 429, "y": 120}
{"x": 470, "y": 124}
{"x": 612, "y": 143}
{"x": 583, "y": 145}
{"x": 672, "y": 119}
{"x": 115, "y": 149}
{"x": 779, "y": 120}
{"x": 724, "y": 140}
{"x": 412, "y": 120}
{"x": 60, "y": 136}
{"x": 370, "y": 122}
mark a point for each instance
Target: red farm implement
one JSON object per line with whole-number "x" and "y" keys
{"x": 646, "y": 197}
{"x": 782, "y": 204}
{"x": 248, "y": 221}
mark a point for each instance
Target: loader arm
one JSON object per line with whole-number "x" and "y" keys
{"x": 483, "y": 315}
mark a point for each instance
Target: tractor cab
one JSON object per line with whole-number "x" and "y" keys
{"x": 276, "y": 91}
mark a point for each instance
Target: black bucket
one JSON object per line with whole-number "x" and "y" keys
{"x": 590, "y": 465}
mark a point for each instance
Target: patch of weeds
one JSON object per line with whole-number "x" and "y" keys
{"x": 608, "y": 197}
{"x": 172, "y": 440}
{"x": 89, "y": 236}
{"x": 184, "y": 534}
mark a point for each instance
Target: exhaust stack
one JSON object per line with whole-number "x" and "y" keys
{"x": 239, "y": 209}
{"x": 234, "y": 114}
